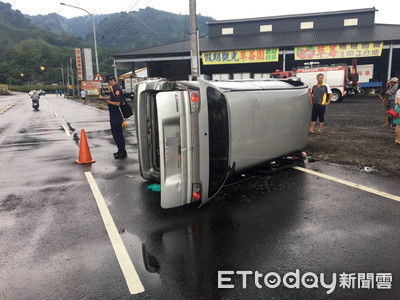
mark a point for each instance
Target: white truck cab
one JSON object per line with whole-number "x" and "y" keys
{"x": 193, "y": 135}
{"x": 335, "y": 76}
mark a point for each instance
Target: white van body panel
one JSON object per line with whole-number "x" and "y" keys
{"x": 260, "y": 128}
{"x": 181, "y": 148}
{"x": 142, "y": 100}
{"x": 174, "y": 144}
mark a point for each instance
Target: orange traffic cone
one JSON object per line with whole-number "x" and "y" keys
{"x": 84, "y": 152}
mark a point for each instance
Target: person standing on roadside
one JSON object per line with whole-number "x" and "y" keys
{"x": 83, "y": 96}
{"x": 393, "y": 85}
{"x": 320, "y": 97}
{"x": 114, "y": 101}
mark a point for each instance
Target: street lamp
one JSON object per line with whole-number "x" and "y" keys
{"x": 43, "y": 68}
{"x": 94, "y": 33}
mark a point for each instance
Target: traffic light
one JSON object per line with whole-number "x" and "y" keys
{"x": 42, "y": 68}
{"x": 22, "y": 74}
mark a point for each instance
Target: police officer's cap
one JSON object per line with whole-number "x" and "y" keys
{"x": 109, "y": 77}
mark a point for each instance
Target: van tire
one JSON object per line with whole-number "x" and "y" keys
{"x": 336, "y": 96}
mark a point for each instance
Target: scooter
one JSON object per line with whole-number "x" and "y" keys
{"x": 35, "y": 104}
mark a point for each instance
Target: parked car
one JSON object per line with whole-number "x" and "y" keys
{"x": 193, "y": 136}
{"x": 39, "y": 92}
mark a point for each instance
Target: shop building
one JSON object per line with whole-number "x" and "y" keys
{"x": 252, "y": 47}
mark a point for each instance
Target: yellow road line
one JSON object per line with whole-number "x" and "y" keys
{"x": 128, "y": 269}
{"x": 9, "y": 106}
{"x": 351, "y": 184}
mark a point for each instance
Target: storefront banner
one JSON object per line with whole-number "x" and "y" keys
{"x": 338, "y": 51}
{"x": 240, "y": 56}
{"x": 79, "y": 63}
{"x": 91, "y": 87}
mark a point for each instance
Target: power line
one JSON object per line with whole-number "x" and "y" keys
{"x": 132, "y": 6}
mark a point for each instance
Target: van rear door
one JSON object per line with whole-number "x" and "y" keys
{"x": 173, "y": 136}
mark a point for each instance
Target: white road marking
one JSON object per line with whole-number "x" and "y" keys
{"x": 66, "y": 130}
{"x": 55, "y": 114}
{"x": 351, "y": 184}
{"x": 128, "y": 269}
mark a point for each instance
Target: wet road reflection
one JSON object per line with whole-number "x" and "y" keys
{"x": 54, "y": 243}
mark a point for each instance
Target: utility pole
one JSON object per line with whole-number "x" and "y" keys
{"x": 62, "y": 74}
{"x": 77, "y": 84}
{"x": 194, "y": 47}
{"x": 67, "y": 75}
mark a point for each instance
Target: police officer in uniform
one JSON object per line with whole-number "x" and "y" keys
{"x": 114, "y": 101}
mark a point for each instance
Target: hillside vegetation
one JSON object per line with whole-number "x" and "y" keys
{"x": 15, "y": 28}
{"x": 29, "y": 42}
{"x": 77, "y": 27}
{"x": 126, "y": 31}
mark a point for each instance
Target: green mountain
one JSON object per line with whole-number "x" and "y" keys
{"x": 26, "y": 47}
{"x": 78, "y": 26}
{"x": 29, "y": 42}
{"x": 15, "y": 28}
{"x": 146, "y": 28}
{"x": 127, "y": 31}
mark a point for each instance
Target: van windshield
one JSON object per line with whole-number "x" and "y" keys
{"x": 218, "y": 139}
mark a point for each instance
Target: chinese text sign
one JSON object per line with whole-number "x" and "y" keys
{"x": 338, "y": 51}
{"x": 240, "y": 56}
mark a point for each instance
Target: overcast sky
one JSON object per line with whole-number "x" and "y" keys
{"x": 388, "y": 11}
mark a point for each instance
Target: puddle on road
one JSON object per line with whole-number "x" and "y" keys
{"x": 76, "y": 139}
{"x": 145, "y": 264}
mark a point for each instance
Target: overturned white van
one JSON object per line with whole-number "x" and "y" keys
{"x": 192, "y": 136}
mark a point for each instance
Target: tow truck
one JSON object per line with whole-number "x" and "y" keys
{"x": 341, "y": 78}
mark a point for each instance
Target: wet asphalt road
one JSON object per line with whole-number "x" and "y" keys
{"x": 54, "y": 244}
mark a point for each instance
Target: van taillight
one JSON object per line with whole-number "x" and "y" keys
{"x": 196, "y": 192}
{"x": 194, "y": 102}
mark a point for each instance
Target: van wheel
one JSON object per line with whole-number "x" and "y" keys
{"x": 336, "y": 96}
